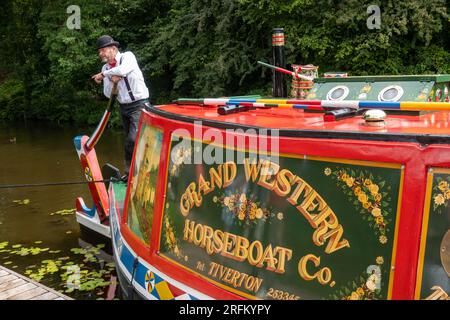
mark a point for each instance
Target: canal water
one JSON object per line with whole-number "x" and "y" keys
{"x": 39, "y": 235}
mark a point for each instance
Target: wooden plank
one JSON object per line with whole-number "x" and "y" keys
{"x": 3, "y": 273}
{"x": 12, "y": 292}
{"x": 7, "y": 278}
{"x": 59, "y": 298}
{"x": 29, "y": 281}
{"x": 45, "y": 296}
{"x": 28, "y": 294}
{"x": 11, "y": 284}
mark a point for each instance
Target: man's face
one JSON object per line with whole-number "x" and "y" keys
{"x": 107, "y": 54}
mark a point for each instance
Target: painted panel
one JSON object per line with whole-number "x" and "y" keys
{"x": 143, "y": 182}
{"x": 433, "y": 281}
{"x": 413, "y": 90}
{"x": 288, "y": 228}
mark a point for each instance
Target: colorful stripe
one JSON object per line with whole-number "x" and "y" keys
{"x": 148, "y": 281}
{"x": 299, "y": 104}
{"x": 95, "y": 137}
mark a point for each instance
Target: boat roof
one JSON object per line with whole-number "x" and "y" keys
{"x": 438, "y": 78}
{"x": 422, "y": 127}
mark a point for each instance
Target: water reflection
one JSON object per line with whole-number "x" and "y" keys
{"x": 39, "y": 153}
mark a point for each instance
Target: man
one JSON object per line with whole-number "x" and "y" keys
{"x": 133, "y": 94}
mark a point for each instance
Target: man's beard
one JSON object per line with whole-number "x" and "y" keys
{"x": 104, "y": 60}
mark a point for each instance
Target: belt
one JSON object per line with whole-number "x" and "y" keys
{"x": 134, "y": 103}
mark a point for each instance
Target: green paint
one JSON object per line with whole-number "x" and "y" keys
{"x": 250, "y": 212}
{"x": 438, "y": 225}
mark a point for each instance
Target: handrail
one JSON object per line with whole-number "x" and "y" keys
{"x": 95, "y": 137}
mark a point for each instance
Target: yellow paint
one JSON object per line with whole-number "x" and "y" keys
{"x": 423, "y": 235}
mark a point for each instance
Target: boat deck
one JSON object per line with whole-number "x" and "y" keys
{"x": 14, "y": 286}
{"x": 427, "y": 123}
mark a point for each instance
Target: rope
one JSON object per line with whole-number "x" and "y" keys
{"x": 47, "y": 184}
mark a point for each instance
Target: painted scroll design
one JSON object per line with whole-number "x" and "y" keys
{"x": 370, "y": 196}
{"x": 441, "y": 194}
{"x": 364, "y": 287}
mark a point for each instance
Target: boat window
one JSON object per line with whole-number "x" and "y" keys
{"x": 338, "y": 93}
{"x": 143, "y": 182}
{"x": 391, "y": 93}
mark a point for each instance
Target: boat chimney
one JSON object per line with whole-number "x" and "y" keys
{"x": 279, "y": 89}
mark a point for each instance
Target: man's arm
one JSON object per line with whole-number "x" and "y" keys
{"x": 129, "y": 63}
{"x": 107, "y": 86}
{"x": 98, "y": 78}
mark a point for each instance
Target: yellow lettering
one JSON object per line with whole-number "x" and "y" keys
{"x": 283, "y": 185}
{"x": 259, "y": 253}
{"x": 251, "y": 169}
{"x": 323, "y": 275}
{"x": 188, "y": 233}
{"x": 218, "y": 240}
{"x": 216, "y": 177}
{"x": 207, "y": 239}
{"x": 229, "y": 173}
{"x": 302, "y": 266}
{"x": 268, "y": 258}
{"x": 194, "y": 197}
{"x": 284, "y": 254}
{"x": 302, "y": 186}
{"x": 334, "y": 244}
{"x": 268, "y": 170}
{"x": 204, "y": 186}
{"x": 241, "y": 249}
{"x": 198, "y": 234}
{"x": 228, "y": 242}
{"x": 184, "y": 205}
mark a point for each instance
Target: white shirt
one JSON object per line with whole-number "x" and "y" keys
{"x": 130, "y": 68}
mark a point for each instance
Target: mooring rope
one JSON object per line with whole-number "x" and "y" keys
{"x": 48, "y": 184}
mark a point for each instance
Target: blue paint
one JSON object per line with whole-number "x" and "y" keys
{"x": 379, "y": 104}
{"x": 77, "y": 142}
{"x": 90, "y": 212}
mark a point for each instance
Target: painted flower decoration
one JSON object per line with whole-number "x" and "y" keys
{"x": 371, "y": 283}
{"x": 380, "y": 260}
{"x": 372, "y": 196}
{"x": 441, "y": 195}
{"x": 171, "y": 239}
{"x": 439, "y": 199}
{"x": 243, "y": 208}
{"x": 376, "y": 212}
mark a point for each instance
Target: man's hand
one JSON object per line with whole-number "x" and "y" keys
{"x": 116, "y": 79}
{"x": 98, "y": 78}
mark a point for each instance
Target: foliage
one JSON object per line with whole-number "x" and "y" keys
{"x": 87, "y": 274}
{"x": 197, "y": 48}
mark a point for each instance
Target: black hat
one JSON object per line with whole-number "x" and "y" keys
{"x": 106, "y": 41}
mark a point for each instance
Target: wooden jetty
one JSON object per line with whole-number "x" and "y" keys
{"x": 14, "y": 286}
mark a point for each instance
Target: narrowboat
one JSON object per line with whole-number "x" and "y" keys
{"x": 342, "y": 193}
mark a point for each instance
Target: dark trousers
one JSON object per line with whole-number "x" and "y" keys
{"x": 130, "y": 118}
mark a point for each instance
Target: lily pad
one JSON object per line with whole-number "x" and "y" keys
{"x": 64, "y": 212}
{"x": 25, "y": 201}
